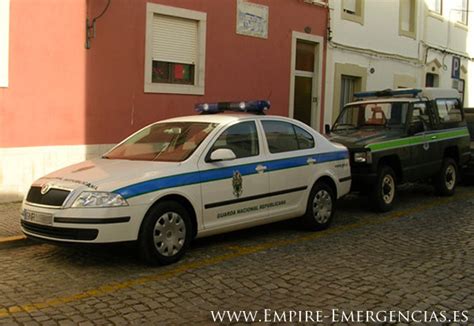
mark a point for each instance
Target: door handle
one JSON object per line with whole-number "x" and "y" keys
{"x": 260, "y": 168}
{"x": 434, "y": 137}
{"x": 311, "y": 160}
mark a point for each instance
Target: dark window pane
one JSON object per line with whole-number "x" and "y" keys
{"x": 305, "y": 140}
{"x": 161, "y": 72}
{"x": 281, "y": 136}
{"x": 304, "y": 56}
{"x": 241, "y": 138}
{"x": 172, "y": 73}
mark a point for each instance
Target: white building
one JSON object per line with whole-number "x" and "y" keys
{"x": 379, "y": 44}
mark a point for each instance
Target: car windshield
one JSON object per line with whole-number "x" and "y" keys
{"x": 373, "y": 115}
{"x": 169, "y": 141}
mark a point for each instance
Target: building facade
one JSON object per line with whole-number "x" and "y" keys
{"x": 374, "y": 45}
{"x": 68, "y": 93}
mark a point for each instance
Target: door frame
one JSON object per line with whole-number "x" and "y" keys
{"x": 317, "y": 76}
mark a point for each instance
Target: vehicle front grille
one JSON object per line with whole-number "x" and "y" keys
{"x": 54, "y": 197}
{"x": 60, "y": 233}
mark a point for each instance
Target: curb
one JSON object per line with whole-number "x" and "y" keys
{"x": 14, "y": 242}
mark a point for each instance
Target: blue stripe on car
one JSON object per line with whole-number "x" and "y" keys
{"x": 223, "y": 173}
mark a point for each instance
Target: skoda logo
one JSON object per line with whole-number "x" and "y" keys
{"x": 45, "y": 188}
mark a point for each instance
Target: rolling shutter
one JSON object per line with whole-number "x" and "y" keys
{"x": 174, "y": 39}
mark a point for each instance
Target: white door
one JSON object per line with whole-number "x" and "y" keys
{"x": 232, "y": 191}
{"x": 291, "y": 164}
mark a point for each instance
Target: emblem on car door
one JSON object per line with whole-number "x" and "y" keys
{"x": 237, "y": 184}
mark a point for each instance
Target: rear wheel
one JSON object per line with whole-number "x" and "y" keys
{"x": 320, "y": 208}
{"x": 165, "y": 233}
{"x": 445, "y": 182}
{"x": 383, "y": 195}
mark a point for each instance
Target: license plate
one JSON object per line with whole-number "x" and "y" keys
{"x": 35, "y": 217}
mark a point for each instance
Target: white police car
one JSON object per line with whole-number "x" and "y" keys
{"x": 189, "y": 177}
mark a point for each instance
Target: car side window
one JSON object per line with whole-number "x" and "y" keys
{"x": 284, "y": 137}
{"x": 241, "y": 138}
{"x": 420, "y": 119}
{"x": 448, "y": 110}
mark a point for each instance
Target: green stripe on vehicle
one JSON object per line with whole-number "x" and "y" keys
{"x": 417, "y": 140}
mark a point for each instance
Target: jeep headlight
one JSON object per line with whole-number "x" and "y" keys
{"x": 99, "y": 199}
{"x": 363, "y": 157}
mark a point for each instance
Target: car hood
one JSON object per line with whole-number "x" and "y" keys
{"x": 359, "y": 138}
{"x": 108, "y": 175}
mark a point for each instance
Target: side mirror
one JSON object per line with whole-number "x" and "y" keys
{"x": 222, "y": 154}
{"x": 327, "y": 129}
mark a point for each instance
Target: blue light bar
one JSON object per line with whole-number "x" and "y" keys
{"x": 388, "y": 92}
{"x": 257, "y": 107}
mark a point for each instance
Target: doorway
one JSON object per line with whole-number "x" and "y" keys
{"x": 305, "y": 83}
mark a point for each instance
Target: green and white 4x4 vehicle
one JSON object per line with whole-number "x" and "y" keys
{"x": 405, "y": 135}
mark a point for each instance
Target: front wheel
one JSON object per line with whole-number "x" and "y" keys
{"x": 320, "y": 208}
{"x": 165, "y": 233}
{"x": 384, "y": 192}
{"x": 445, "y": 182}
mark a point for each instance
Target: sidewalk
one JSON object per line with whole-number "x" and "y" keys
{"x": 10, "y": 220}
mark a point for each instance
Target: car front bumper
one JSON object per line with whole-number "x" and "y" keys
{"x": 82, "y": 225}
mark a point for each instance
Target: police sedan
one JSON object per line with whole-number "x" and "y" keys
{"x": 189, "y": 177}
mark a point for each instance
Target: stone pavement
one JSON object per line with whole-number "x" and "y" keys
{"x": 418, "y": 257}
{"x": 10, "y": 219}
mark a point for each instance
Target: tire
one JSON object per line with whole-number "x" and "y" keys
{"x": 165, "y": 233}
{"x": 445, "y": 182}
{"x": 384, "y": 192}
{"x": 320, "y": 208}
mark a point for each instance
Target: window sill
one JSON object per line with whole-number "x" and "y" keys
{"x": 411, "y": 35}
{"x": 353, "y": 18}
{"x": 174, "y": 89}
{"x": 461, "y": 25}
{"x": 436, "y": 15}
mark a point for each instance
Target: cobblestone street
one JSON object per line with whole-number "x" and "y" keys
{"x": 418, "y": 257}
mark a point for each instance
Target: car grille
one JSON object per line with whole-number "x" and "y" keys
{"x": 54, "y": 197}
{"x": 60, "y": 233}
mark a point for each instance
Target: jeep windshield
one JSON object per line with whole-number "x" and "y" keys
{"x": 372, "y": 115}
{"x": 169, "y": 141}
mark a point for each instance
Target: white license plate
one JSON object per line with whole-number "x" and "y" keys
{"x": 35, "y": 217}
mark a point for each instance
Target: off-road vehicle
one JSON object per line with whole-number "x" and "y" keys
{"x": 403, "y": 135}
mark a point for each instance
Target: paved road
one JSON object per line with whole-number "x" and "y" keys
{"x": 418, "y": 257}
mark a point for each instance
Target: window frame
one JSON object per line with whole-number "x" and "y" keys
{"x": 293, "y": 127}
{"x": 358, "y": 16}
{"x": 199, "y": 70}
{"x": 210, "y": 149}
{"x": 411, "y": 33}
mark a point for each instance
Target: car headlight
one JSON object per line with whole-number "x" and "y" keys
{"x": 99, "y": 199}
{"x": 363, "y": 157}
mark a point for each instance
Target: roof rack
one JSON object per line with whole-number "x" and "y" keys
{"x": 388, "y": 93}
{"x": 256, "y": 107}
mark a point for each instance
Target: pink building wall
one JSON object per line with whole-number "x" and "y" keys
{"x": 60, "y": 93}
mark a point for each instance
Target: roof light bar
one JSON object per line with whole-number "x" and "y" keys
{"x": 388, "y": 92}
{"x": 257, "y": 107}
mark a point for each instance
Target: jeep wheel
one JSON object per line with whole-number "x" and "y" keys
{"x": 384, "y": 193}
{"x": 320, "y": 208}
{"x": 165, "y": 233}
{"x": 445, "y": 182}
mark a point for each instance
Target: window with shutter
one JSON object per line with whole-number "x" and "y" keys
{"x": 175, "y": 50}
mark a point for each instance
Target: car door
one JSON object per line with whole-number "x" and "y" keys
{"x": 290, "y": 164}
{"x": 232, "y": 190}
{"x": 425, "y": 150}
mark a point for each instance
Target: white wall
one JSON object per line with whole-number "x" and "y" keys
{"x": 20, "y": 166}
